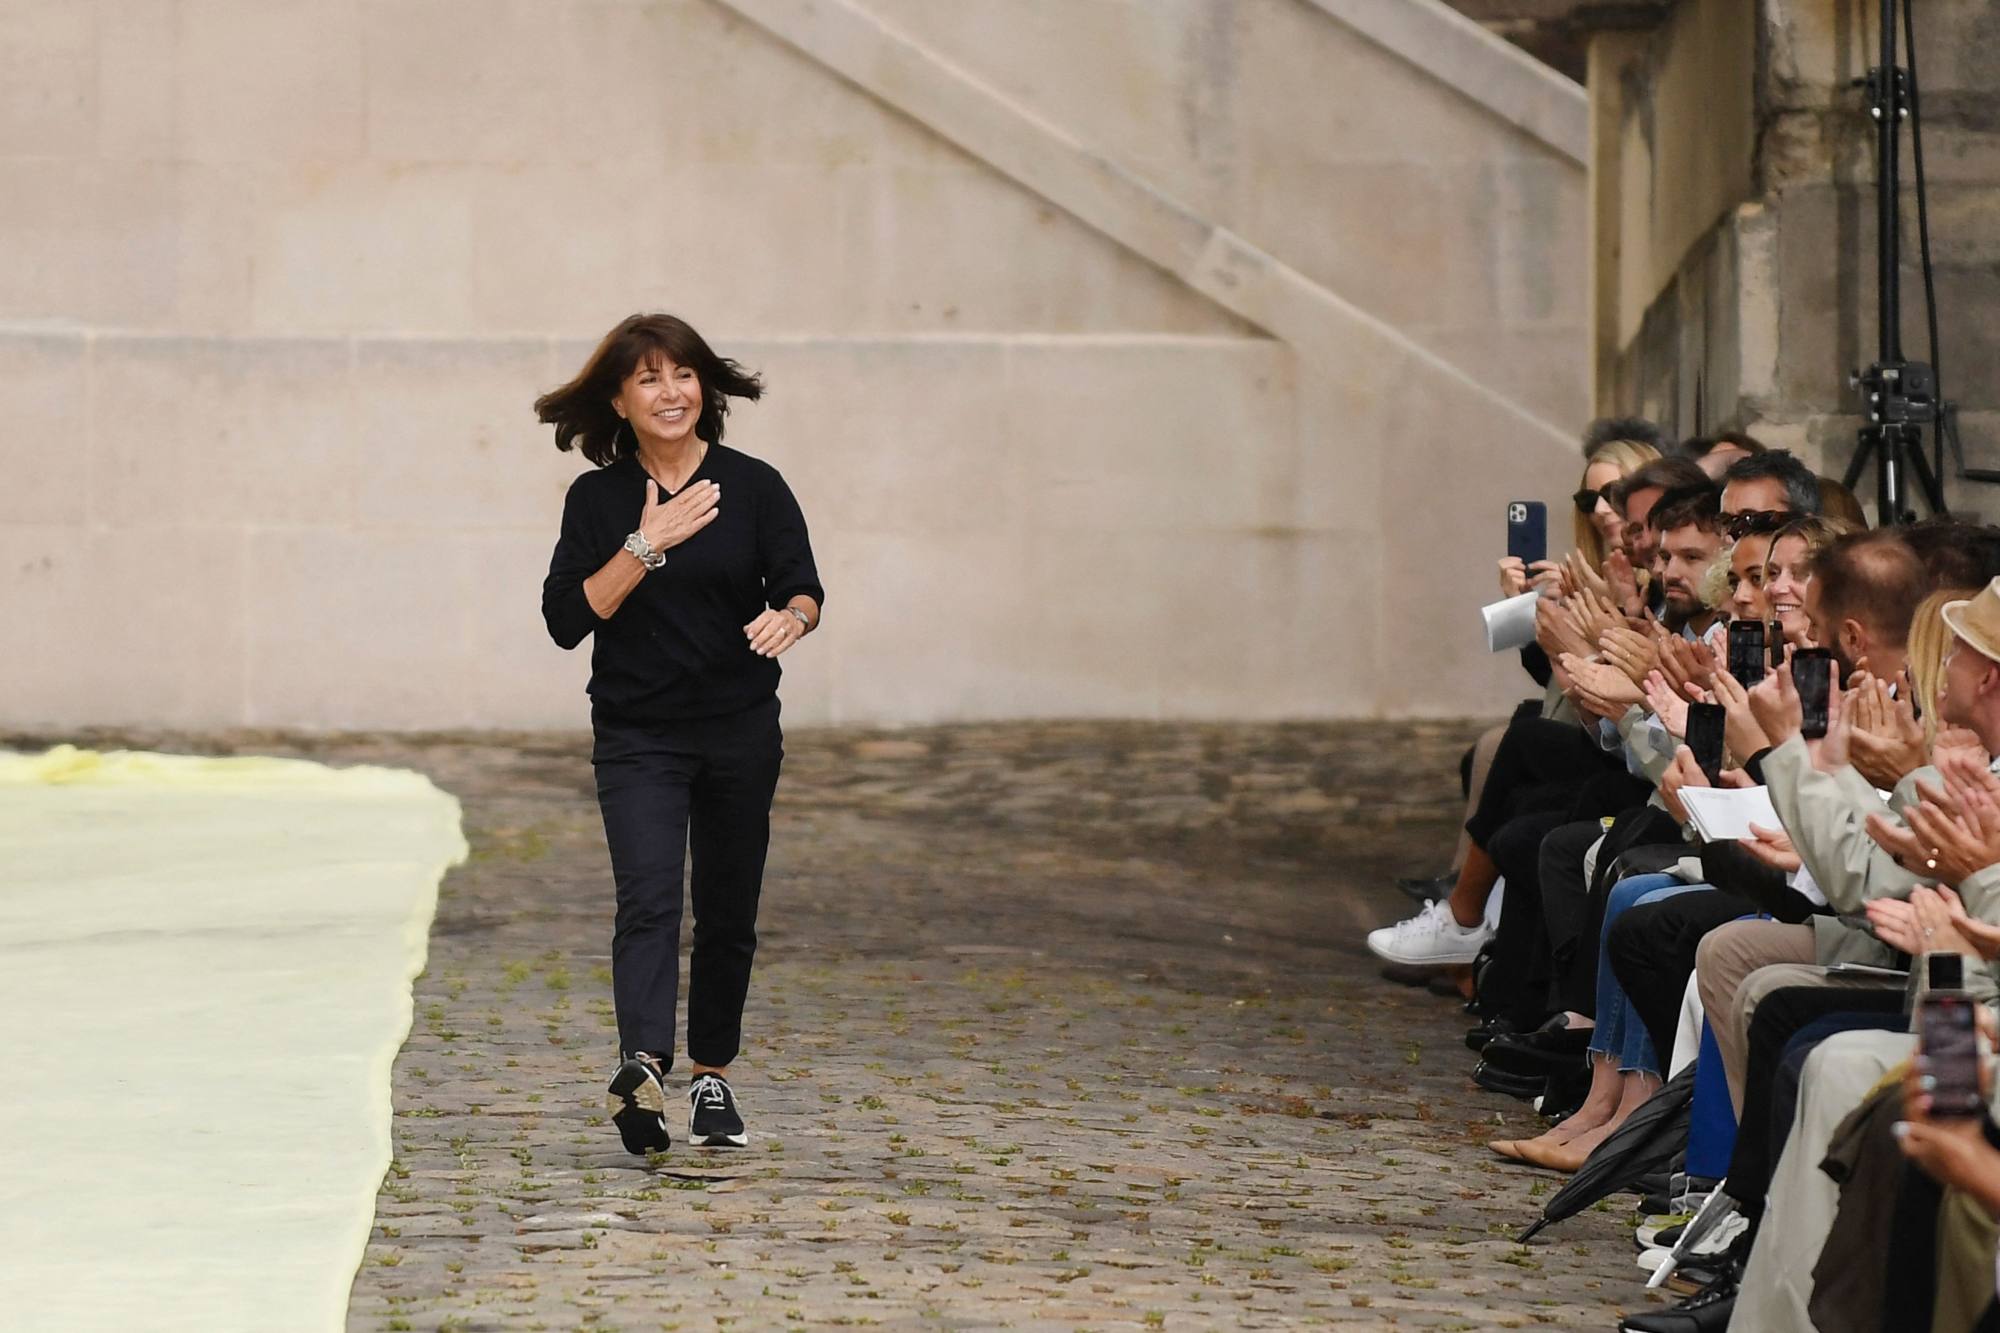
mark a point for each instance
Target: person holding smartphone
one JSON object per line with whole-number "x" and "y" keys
{"x": 690, "y": 565}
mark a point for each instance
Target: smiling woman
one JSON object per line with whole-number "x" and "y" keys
{"x": 1789, "y": 568}
{"x": 692, "y": 601}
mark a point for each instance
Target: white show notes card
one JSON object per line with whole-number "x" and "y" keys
{"x": 1720, "y": 813}
{"x": 1510, "y": 624}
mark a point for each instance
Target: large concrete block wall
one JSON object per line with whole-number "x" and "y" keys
{"x": 294, "y": 272}
{"x": 1758, "y": 316}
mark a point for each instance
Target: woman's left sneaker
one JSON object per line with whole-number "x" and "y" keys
{"x": 713, "y": 1121}
{"x": 638, "y": 1106}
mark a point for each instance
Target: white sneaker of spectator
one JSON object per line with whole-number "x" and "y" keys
{"x": 1431, "y": 938}
{"x": 1714, "y": 1243}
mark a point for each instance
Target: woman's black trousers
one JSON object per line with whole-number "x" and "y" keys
{"x": 693, "y": 794}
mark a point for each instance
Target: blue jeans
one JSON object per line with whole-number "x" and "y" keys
{"x": 1619, "y": 1030}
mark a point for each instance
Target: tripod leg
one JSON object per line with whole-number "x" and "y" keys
{"x": 1928, "y": 480}
{"x": 1859, "y": 464}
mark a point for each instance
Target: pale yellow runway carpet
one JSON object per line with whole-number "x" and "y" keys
{"x": 205, "y": 971}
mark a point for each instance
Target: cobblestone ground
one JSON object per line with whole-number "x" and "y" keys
{"x": 1053, "y": 1026}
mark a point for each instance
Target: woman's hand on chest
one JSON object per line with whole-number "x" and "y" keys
{"x": 668, "y": 523}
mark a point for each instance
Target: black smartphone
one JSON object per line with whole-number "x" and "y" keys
{"x": 1528, "y": 531}
{"x": 1777, "y": 638}
{"x": 1705, "y": 738}
{"x": 1944, "y": 971}
{"x": 1812, "y": 676}
{"x": 1746, "y": 651}
{"x": 1948, "y": 1040}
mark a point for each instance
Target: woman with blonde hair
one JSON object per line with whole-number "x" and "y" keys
{"x": 1930, "y": 640}
{"x": 1788, "y": 568}
{"x": 1598, "y": 526}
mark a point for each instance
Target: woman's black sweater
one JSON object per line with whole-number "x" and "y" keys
{"x": 676, "y": 647}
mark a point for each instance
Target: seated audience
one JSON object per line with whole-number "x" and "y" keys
{"x": 1618, "y": 921}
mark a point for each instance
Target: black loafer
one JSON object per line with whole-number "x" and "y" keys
{"x": 1526, "y": 1087}
{"x": 1542, "y": 1051}
{"x": 1476, "y": 1038}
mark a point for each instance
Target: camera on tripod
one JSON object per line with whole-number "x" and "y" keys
{"x": 1898, "y": 392}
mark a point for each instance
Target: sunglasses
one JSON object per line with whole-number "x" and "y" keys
{"x": 1754, "y": 522}
{"x": 1586, "y": 500}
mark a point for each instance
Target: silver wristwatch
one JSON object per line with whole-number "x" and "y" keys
{"x": 643, "y": 549}
{"x": 804, "y": 623}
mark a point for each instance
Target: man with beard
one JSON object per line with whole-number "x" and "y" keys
{"x": 1687, "y": 523}
{"x": 1635, "y": 497}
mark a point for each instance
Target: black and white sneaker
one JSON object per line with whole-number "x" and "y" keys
{"x": 713, "y": 1121}
{"x": 638, "y": 1105}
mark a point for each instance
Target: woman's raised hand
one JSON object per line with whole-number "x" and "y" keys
{"x": 670, "y": 524}
{"x": 1888, "y": 742}
{"x": 1740, "y": 730}
{"x": 1624, "y": 584}
{"x": 1582, "y": 577}
{"x": 1635, "y": 654}
{"x": 1670, "y": 708}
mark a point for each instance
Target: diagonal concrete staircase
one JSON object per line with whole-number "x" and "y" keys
{"x": 1029, "y": 145}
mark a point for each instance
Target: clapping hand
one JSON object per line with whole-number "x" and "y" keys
{"x": 1958, "y": 738}
{"x": 1740, "y": 729}
{"x": 1688, "y": 667}
{"x": 1624, "y": 583}
{"x": 1670, "y": 708}
{"x": 1579, "y": 577}
{"x": 1971, "y": 783}
{"x": 1931, "y": 920}
{"x": 1774, "y": 702}
{"x": 1592, "y": 616}
{"x": 1937, "y": 840}
{"x": 1601, "y": 688}
{"x": 1635, "y": 654}
{"x": 1556, "y": 632}
{"x": 1830, "y": 754}
{"x": 1887, "y": 742}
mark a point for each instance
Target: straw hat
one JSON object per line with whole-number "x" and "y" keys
{"x": 1977, "y": 620}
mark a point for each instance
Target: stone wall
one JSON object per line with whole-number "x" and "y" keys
{"x": 1757, "y": 317}
{"x": 1164, "y": 414}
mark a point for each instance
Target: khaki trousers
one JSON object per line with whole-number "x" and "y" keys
{"x": 1723, "y": 961}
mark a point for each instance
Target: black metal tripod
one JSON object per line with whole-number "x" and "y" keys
{"x": 1901, "y": 395}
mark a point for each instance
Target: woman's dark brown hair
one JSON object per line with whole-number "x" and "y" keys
{"x": 581, "y": 410}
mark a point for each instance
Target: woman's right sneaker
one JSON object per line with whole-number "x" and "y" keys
{"x": 713, "y": 1120}
{"x": 1431, "y": 938}
{"x": 638, "y": 1106}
